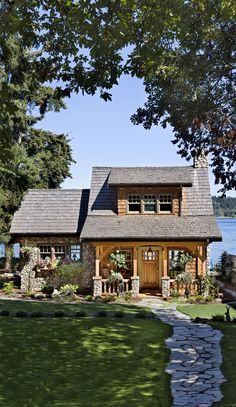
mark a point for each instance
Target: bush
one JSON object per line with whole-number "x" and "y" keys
{"x": 174, "y": 294}
{"x": 88, "y": 298}
{"x": 67, "y": 274}
{"x": 21, "y": 314}
{"x": 68, "y": 289}
{"x": 5, "y": 313}
{"x": 108, "y": 298}
{"x": 8, "y": 287}
{"x": 102, "y": 313}
{"x": 184, "y": 278}
{"x": 28, "y": 294}
{"x": 141, "y": 315}
{"x": 36, "y": 314}
{"x": 119, "y": 314}
{"x": 47, "y": 289}
{"x": 128, "y": 296}
{"x": 59, "y": 314}
{"x": 218, "y": 318}
{"x": 80, "y": 314}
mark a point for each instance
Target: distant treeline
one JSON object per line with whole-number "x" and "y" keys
{"x": 224, "y": 206}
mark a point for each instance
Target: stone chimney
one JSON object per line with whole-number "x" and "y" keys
{"x": 200, "y": 160}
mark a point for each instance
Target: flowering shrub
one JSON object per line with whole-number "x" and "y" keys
{"x": 68, "y": 289}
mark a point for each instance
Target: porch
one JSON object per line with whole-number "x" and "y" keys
{"x": 149, "y": 265}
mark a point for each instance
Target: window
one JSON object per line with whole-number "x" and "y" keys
{"x": 165, "y": 203}
{"x": 175, "y": 266}
{"x": 150, "y": 255}
{"x": 134, "y": 203}
{"x": 75, "y": 254}
{"x": 45, "y": 252}
{"x": 149, "y": 203}
{"x": 60, "y": 251}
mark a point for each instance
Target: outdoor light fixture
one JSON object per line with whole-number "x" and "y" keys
{"x": 150, "y": 250}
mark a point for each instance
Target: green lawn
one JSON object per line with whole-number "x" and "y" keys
{"x": 205, "y": 310}
{"x": 89, "y": 308}
{"x": 83, "y": 362}
{"x": 229, "y": 359}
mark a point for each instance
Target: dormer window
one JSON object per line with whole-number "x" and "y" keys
{"x": 165, "y": 203}
{"x": 134, "y": 203}
{"x": 149, "y": 203}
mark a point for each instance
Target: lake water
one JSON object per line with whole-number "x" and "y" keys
{"x": 228, "y": 229}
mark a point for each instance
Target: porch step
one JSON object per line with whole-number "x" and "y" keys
{"x": 153, "y": 292}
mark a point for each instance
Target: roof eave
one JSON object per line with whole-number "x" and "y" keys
{"x": 151, "y": 239}
{"x": 150, "y": 184}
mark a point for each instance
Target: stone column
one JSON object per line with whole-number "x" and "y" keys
{"x": 165, "y": 286}
{"x": 97, "y": 286}
{"x": 135, "y": 285}
{"x": 28, "y": 272}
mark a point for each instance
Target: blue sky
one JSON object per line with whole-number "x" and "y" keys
{"x": 101, "y": 133}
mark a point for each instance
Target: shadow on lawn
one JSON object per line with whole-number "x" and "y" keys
{"x": 88, "y": 362}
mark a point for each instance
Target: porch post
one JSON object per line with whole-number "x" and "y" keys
{"x": 204, "y": 261}
{"x": 135, "y": 277}
{"x": 165, "y": 262}
{"x": 97, "y": 283}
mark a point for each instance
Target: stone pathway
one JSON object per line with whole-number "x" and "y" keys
{"x": 195, "y": 358}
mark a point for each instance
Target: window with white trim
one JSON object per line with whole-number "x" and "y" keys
{"x": 75, "y": 252}
{"x": 165, "y": 203}
{"x": 59, "y": 251}
{"x": 134, "y": 203}
{"x": 149, "y": 203}
{"x": 45, "y": 252}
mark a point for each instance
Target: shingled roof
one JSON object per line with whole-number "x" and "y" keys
{"x": 151, "y": 227}
{"x": 196, "y": 222}
{"x": 50, "y": 211}
{"x": 153, "y": 176}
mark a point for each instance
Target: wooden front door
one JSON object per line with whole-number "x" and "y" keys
{"x": 150, "y": 272}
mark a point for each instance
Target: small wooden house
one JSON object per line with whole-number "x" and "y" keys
{"x": 150, "y": 214}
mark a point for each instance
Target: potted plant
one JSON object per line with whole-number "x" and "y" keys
{"x": 185, "y": 279}
{"x": 118, "y": 262}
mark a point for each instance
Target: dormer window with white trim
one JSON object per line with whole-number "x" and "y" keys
{"x": 149, "y": 203}
{"x": 134, "y": 203}
{"x": 165, "y": 203}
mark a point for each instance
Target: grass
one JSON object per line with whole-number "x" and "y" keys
{"x": 228, "y": 347}
{"x": 205, "y": 310}
{"x": 50, "y": 307}
{"x": 87, "y": 362}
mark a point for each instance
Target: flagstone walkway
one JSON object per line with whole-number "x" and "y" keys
{"x": 195, "y": 358}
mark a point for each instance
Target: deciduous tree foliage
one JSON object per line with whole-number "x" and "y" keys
{"x": 184, "y": 50}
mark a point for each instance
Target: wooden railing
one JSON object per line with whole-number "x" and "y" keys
{"x": 174, "y": 286}
{"x": 112, "y": 288}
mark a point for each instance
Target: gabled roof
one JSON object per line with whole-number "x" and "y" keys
{"x": 196, "y": 221}
{"x": 152, "y": 176}
{"x": 150, "y": 227}
{"x": 51, "y": 211}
